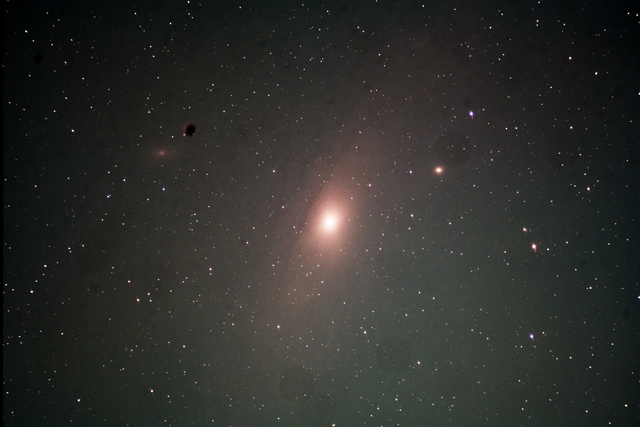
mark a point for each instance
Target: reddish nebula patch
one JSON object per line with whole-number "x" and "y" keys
{"x": 190, "y": 129}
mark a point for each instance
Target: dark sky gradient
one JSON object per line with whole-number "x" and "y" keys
{"x": 479, "y": 161}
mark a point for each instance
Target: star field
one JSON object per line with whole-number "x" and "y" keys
{"x": 364, "y": 213}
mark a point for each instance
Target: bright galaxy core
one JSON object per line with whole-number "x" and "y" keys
{"x": 330, "y": 222}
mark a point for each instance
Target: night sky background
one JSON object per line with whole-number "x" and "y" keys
{"x": 390, "y": 213}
